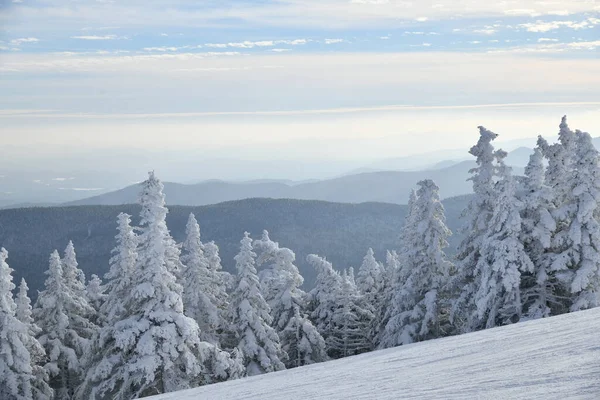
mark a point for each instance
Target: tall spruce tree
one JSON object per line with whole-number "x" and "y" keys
{"x": 417, "y": 304}
{"x": 199, "y": 300}
{"x": 152, "y": 347}
{"x": 502, "y": 259}
{"x": 540, "y": 286}
{"x": 61, "y": 312}
{"x": 19, "y": 377}
{"x": 299, "y": 338}
{"x": 479, "y": 212}
{"x": 258, "y": 342}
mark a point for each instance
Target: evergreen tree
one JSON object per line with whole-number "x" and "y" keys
{"x": 121, "y": 270}
{"x": 323, "y": 298}
{"x": 199, "y": 300}
{"x": 480, "y": 210}
{"x": 74, "y": 277}
{"x": 538, "y": 226}
{"x": 417, "y": 303}
{"x": 502, "y": 258}
{"x": 61, "y": 314}
{"x": 151, "y": 347}
{"x": 350, "y": 322}
{"x": 384, "y": 310}
{"x": 250, "y": 319}
{"x": 370, "y": 284}
{"x": 220, "y": 281}
{"x": 299, "y": 338}
{"x": 23, "y": 312}
{"x": 584, "y": 232}
{"x": 19, "y": 379}
{"x": 95, "y": 293}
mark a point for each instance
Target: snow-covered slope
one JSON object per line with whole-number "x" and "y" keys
{"x": 555, "y": 358}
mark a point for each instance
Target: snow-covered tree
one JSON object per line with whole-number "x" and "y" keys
{"x": 370, "y": 284}
{"x": 152, "y": 347}
{"x": 384, "y": 309}
{"x": 62, "y": 314}
{"x": 95, "y": 292}
{"x": 350, "y": 323}
{"x": 539, "y": 287}
{"x": 502, "y": 259}
{"x": 40, "y": 388}
{"x": 479, "y": 213}
{"x": 74, "y": 277}
{"x": 416, "y": 305}
{"x": 19, "y": 376}
{"x": 581, "y": 259}
{"x": 299, "y": 337}
{"x": 121, "y": 270}
{"x": 250, "y": 319}
{"x": 323, "y": 298}
{"x": 199, "y": 300}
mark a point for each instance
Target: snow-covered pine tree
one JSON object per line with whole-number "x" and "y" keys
{"x": 384, "y": 311}
{"x": 584, "y": 232}
{"x": 298, "y": 336}
{"x": 370, "y": 283}
{"x": 66, "y": 332}
{"x": 462, "y": 285}
{"x": 539, "y": 288}
{"x": 220, "y": 281}
{"x": 350, "y": 322}
{"x": 40, "y": 388}
{"x": 501, "y": 261}
{"x": 18, "y": 377}
{"x": 74, "y": 277}
{"x": 152, "y": 347}
{"x": 249, "y": 317}
{"x": 121, "y": 268}
{"x": 323, "y": 298}
{"x": 417, "y": 304}
{"x": 199, "y": 300}
{"x": 95, "y": 293}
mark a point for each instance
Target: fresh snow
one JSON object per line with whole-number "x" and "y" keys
{"x": 552, "y": 358}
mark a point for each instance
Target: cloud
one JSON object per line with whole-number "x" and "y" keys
{"x": 540, "y": 40}
{"x": 17, "y": 42}
{"x": 547, "y": 26}
{"x": 333, "y": 41}
{"x": 95, "y": 37}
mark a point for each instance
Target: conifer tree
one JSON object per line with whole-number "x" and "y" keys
{"x": 121, "y": 270}
{"x": 299, "y": 338}
{"x": 384, "y": 310}
{"x": 23, "y": 312}
{"x": 479, "y": 211}
{"x": 350, "y": 322}
{"x": 416, "y": 305}
{"x": 199, "y": 300}
{"x": 323, "y": 298}
{"x": 19, "y": 377}
{"x": 95, "y": 293}
{"x": 540, "y": 286}
{"x": 258, "y": 343}
{"x": 152, "y": 347}
{"x": 370, "y": 284}
{"x": 61, "y": 314}
{"x": 502, "y": 259}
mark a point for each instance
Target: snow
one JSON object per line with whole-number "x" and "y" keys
{"x": 552, "y": 358}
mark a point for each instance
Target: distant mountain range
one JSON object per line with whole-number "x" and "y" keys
{"x": 385, "y": 186}
{"x": 341, "y": 232}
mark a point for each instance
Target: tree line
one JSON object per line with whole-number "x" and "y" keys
{"x": 168, "y": 317}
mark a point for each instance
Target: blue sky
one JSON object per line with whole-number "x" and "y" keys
{"x": 240, "y": 74}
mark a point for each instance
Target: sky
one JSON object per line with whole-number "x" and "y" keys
{"x": 290, "y": 79}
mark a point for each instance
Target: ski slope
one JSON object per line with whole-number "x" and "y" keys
{"x": 555, "y": 358}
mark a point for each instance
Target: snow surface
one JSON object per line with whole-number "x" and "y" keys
{"x": 553, "y": 358}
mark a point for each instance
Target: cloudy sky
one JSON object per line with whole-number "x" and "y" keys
{"x": 335, "y": 79}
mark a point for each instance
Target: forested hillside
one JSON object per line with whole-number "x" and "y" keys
{"x": 343, "y": 232}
